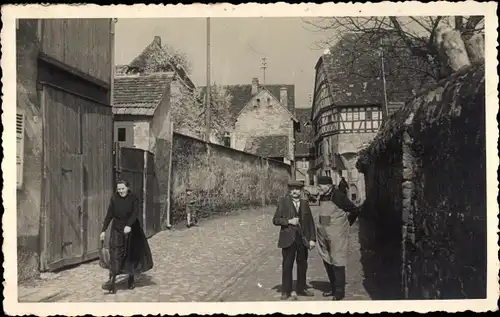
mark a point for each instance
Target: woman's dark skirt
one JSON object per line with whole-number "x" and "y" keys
{"x": 129, "y": 253}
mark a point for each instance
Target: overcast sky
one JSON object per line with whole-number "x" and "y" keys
{"x": 237, "y": 46}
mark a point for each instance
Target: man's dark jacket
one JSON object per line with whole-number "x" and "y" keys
{"x": 286, "y": 211}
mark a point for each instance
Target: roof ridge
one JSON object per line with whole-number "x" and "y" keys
{"x": 145, "y": 75}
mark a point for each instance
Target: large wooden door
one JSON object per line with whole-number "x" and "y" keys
{"x": 63, "y": 179}
{"x": 97, "y": 131}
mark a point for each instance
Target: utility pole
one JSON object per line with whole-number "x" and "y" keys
{"x": 386, "y": 110}
{"x": 208, "y": 122}
{"x": 263, "y": 67}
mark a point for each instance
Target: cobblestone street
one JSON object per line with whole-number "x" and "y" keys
{"x": 231, "y": 258}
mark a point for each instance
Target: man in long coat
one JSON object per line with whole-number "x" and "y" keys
{"x": 336, "y": 214}
{"x": 297, "y": 235}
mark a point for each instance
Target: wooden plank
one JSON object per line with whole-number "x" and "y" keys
{"x": 98, "y": 167}
{"x": 73, "y": 71}
{"x": 63, "y": 177}
{"x": 144, "y": 191}
{"x": 83, "y": 44}
{"x": 44, "y": 252}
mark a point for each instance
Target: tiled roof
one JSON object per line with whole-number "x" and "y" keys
{"x": 139, "y": 95}
{"x": 354, "y": 74}
{"x": 241, "y": 95}
{"x": 268, "y": 146}
{"x": 304, "y": 137}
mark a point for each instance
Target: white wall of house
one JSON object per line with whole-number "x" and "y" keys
{"x": 263, "y": 116}
{"x": 133, "y": 134}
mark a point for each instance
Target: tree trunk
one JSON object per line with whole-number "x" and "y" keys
{"x": 475, "y": 47}
{"x": 453, "y": 53}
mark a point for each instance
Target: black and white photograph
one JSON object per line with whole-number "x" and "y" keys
{"x": 250, "y": 158}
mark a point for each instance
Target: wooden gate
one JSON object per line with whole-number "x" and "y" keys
{"x": 137, "y": 167}
{"x": 77, "y": 177}
{"x": 63, "y": 179}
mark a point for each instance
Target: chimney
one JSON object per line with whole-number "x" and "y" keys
{"x": 284, "y": 97}
{"x": 157, "y": 40}
{"x": 255, "y": 85}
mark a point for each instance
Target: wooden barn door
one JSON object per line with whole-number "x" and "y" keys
{"x": 63, "y": 177}
{"x": 97, "y": 130}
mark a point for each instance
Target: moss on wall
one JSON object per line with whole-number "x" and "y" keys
{"x": 426, "y": 186}
{"x": 221, "y": 178}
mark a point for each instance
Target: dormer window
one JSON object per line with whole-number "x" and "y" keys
{"x": 257, "y": 102}
{"x": 269, "y": 102}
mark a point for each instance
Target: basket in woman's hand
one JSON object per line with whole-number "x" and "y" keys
{"x": 104, "y": 258}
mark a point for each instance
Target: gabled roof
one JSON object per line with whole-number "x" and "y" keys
{"x": 268, "y": 146}
{"x": 354, "y": 74}
{"x": 139, "y": 94}
{"x": 355, "y": 85}
{"x": 148, "y": 59}
{"x": 241, "y": 95}
{"x": 290, "y": 111}
{"x": 304, "y": 137}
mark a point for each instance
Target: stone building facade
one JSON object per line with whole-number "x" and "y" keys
{"x": 262, "y": 120}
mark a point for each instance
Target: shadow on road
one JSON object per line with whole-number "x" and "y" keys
{"x": 140, "y": 281}
{"x": 279, "y": 288}
{"x": 322, "y": 286}
{"x": 380, "y": 258}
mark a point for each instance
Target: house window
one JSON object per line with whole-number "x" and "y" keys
{"x": 227, "y": 139}
{"x": 20, "y": 117}
{"x": 368, "y": 115}
{"x": 328, "y": 173}
{"x": 298, "y": 164}
{"x": 269, "y": 102}
{"x": 122, "y": 134}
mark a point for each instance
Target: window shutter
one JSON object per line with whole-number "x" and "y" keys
{"x": 20, "y": 146}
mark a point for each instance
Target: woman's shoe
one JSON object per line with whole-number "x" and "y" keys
{"x": 112, "y": 290}
{"x": 110, "y": 285}
{"x": 131, "y": 282}
{"x": 328, "y": 294}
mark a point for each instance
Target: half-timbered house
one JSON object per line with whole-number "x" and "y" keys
{"x": 348, "y": 105}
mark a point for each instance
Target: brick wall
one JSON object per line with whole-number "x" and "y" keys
{"x": 222, "y": 178}
{"x": 263, "y": 120}
{"x": 426, "y": 188}
{"x": 29, "y": 195}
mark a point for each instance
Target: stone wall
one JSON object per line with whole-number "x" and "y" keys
{"x": 222, "y": 178}
{"x": 426, "y": 189}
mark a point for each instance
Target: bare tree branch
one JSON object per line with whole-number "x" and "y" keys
{"x": 473, "y": 22}
{"x": 459, "y": 22}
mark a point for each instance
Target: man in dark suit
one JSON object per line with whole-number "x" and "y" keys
{"x": 296, "y": 237}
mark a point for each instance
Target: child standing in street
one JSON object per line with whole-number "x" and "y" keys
{"x": 191, "y": 218}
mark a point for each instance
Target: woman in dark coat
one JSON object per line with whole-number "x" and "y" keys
{"x": 128, "y": 247}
